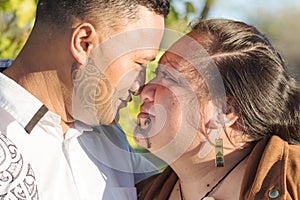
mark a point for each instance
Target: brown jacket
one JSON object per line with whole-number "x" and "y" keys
{"x": 272, "y": 172}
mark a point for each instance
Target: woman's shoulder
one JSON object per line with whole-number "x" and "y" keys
{"x": 272, "y": 169}
{"x": 158, "y": 186}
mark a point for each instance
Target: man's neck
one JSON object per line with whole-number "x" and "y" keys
{"x": 39, "y": 68}
{"x": 46, "y": 87}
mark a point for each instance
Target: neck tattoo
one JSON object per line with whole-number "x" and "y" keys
{"x": 206, "y": 196}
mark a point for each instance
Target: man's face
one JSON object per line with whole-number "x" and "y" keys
{"x": 103, "y": 84}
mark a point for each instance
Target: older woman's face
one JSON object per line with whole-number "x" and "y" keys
{"x": 187, "y": 84}
{"x": 170, "y": 112}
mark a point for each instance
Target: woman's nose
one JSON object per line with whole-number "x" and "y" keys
{"x": 148, "y": 92}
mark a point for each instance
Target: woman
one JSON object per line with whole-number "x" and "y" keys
{"x": 223, "y": 112}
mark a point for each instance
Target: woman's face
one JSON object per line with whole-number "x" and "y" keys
{"x": 169, "y": 115}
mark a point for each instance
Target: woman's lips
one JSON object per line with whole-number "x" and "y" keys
{"x": 143, "y": 115}
{"x": 144, "y": 120}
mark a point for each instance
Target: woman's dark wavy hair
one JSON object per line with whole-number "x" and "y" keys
{"x": 255, "y": 77}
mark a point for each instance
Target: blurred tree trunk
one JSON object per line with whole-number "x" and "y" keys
{"x": 206, "y": 8}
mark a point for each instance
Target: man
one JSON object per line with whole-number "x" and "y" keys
{"x": 75, "y": 71}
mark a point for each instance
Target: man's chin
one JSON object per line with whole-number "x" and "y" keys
{"x": 110, "y": 119}
{"x": 122, "y": 105}
{"x": 117, "y": 118}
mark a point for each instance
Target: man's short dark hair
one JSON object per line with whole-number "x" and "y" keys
{"x": 105, "y": 12}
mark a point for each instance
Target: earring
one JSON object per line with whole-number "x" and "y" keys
{"x": 219, "y": 160}
{"x": 223, "y": 121}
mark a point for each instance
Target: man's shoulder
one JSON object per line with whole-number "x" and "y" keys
{"x": 5, "y": 63}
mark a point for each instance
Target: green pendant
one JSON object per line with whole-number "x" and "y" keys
{"x": 219, "y": 162}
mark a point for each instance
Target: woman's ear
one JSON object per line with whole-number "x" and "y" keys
{"x": 211, "y": 116}
{"x": 231, "y": 119}
{"x": 214, "y": 118}
{"x": 230, "y": 113}
{"x": 83, "y": 40}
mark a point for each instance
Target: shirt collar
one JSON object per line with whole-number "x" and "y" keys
{"x": 23, "y": 106}
{"x": 18, "y": 102}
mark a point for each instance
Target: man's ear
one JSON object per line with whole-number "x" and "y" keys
{"x": 84, "y": 38}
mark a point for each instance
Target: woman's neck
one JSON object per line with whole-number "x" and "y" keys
{"x": 198, "y": 177}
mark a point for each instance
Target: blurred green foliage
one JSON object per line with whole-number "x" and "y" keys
{"x": 16, "y": 19}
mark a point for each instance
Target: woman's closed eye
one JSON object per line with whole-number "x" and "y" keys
{"x": 164, "y": 75}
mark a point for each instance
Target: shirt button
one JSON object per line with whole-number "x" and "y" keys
{"x": 274, "y": 193}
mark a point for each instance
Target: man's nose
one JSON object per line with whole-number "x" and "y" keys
{"x": 139, "y": 83}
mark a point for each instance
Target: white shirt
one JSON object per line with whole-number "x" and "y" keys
{"x": 88, "y": 163}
